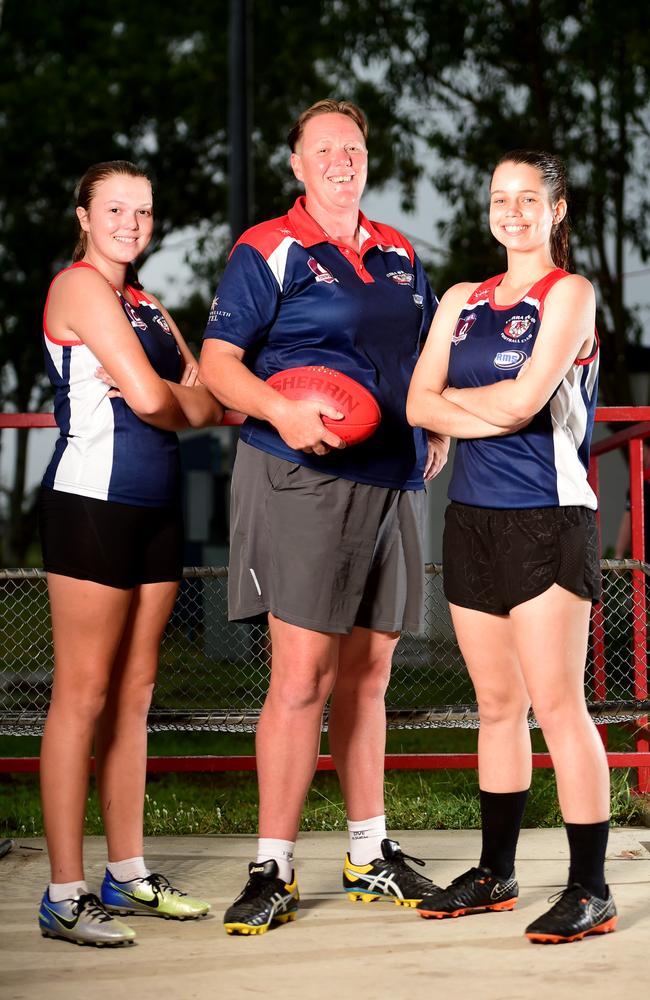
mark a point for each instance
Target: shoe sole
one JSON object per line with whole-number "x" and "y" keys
{"x": 124, "y": 911}
{"x": 506, "y": 904}
{"x": 92, "y": 944}
{"x": 371, "y": 897}
{"x": 606, "y": 928}
{"x": 282, "y": 918}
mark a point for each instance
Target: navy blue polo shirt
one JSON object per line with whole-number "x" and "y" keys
{"x": 290, "y": 296}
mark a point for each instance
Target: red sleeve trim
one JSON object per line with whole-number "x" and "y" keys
{"x": 596, "y": 348}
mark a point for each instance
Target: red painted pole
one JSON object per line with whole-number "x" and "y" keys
{"x": 639, "y": 610}
{"x": 598, "y": 617}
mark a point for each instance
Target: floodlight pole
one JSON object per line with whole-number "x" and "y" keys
{"x": 239, "y": 117}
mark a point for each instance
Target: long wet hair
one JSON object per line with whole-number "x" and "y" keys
{"x": 85, "y": 193}
{"x": 553, "y": 174}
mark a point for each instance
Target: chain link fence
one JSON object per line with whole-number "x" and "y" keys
{"x": 214, "y": 674}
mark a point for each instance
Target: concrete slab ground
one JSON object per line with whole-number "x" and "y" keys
{"x": 335, "y": 950}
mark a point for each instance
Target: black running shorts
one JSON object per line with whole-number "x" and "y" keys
{"x": 494, "y": 560}
{"x": 116, "y": 544}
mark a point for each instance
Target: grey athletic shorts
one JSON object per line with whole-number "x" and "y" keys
{"x": 321, "y": 552}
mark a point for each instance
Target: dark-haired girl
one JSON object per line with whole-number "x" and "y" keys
{"x": 510, "y": 369}
{"x": 111, "y": 531}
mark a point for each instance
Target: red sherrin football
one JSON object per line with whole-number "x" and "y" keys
{"x": 361, "y": 413}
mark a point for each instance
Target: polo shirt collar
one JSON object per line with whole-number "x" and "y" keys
{"x": 309, "y": 232}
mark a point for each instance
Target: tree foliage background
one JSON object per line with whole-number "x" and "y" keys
{"x": 138, "y": 79}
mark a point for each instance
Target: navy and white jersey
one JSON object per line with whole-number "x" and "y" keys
{"x": 546, "y": 463}
{"x": 104, "y": 450}
{"x": 290, "y": 296}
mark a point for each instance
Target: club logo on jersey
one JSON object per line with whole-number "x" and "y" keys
{"x": 463, "y": 326}
{"x": 517, "y": 328}
{"x": 401, "y": 278}
{"x": 136, "y": 322}
{"x": 321, "y": 273}
{"x": 510, "y": 359}
{"x": 215, "y": 312}
{"x": 419, "y": 300}
{"x": 161, "y": 321}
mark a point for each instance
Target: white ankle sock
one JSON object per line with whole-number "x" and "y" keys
{"x": 128, "y": 869}
{"x": 366, "y": 836}
{"x": 58, "y": 891}
{"x": 279, "y": 850}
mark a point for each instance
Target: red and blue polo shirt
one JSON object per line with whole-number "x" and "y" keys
{"x": 291, "y": 296}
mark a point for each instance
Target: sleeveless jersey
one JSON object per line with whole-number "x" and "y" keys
{"x": 546, "y": 463}
{"x": 104, "y": 450}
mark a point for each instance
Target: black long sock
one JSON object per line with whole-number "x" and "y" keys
{"x": 501, "y": 816}
{"x": 587, "y": 849}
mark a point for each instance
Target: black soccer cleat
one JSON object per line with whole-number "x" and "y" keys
{"x": 265, "y": 899}
{"x": 475, "y": 891}
{"x": 576, "y": 914}
{"x": 388, "y": 877}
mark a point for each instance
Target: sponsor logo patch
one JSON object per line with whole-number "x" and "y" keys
{"x": 215, "y": 312}
{"x": 517, "y": 328}
{"x": 401, "y": 278}
{"x": 321, "y": 273}
{"x": 463, "y": 326}
{"x": 510, "y": 359}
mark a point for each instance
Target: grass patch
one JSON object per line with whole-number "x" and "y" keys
{"x": 181, "y": 804}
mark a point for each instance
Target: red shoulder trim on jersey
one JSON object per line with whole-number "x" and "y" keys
{"x": 542, "y": 287}
{"x": 484, "y": 289}
{"x": 267, "y": 236}
{"x": 386, "y": 236}
{"x": 55, "y": 340}
{"x": 139, "y": 295}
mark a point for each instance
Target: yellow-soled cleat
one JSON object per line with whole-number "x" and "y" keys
{"x": 363, "y": 897}
{"x": 388, "y": 877}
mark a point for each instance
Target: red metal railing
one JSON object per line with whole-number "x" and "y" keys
{"x": 633, "y": 437}
{"x": 392, "y": 761}
{"x": 640, "y": 759}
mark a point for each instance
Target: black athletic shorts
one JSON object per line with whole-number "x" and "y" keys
{"x": 117, "y": 544}
{"x": 494, "y": 560}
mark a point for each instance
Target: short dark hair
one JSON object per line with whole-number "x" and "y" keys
{"x": 553, "y": 174}
{"x": 326, "y": 107}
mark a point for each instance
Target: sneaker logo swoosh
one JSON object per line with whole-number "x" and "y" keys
{"x": 499, "y": 890}
{"x": 69, "y": 924}
{"x": 153, "y": 903}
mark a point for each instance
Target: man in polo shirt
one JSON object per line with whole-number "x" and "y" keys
{"x": 326, "y": 541}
